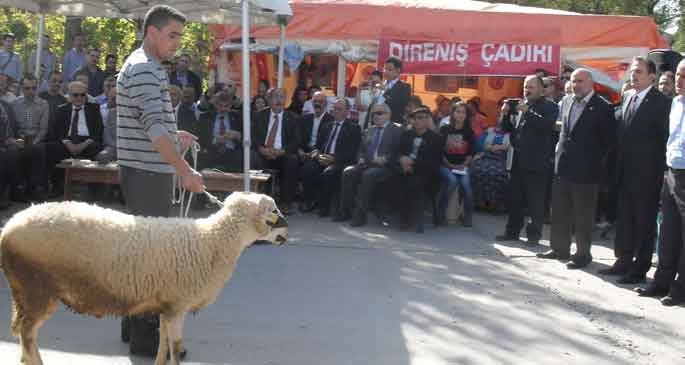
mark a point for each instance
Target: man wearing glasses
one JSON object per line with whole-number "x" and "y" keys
{"x": 78, "y": 127}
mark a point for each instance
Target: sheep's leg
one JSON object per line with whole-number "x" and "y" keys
{"x": 174, "y": 327}
{"x": 163, "y": 349}
{"x": 30, "y": 325}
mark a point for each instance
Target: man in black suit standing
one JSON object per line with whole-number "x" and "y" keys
{"x": 396, "y": 93}
{"x": 531, "y": 139}
{"x": 220, "y": 133}
{"x": 420, "y": 152}
{"x": 641, "y": 159}
{"x": 669, "y": 278}
{"x": 588, "y": 131}
{"x": 378, "y": 150}
{"x": 276, "y": 139}
{"x": 321, "y": 174}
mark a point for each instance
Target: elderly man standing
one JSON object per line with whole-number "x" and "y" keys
{"x": 588, "y": 131}
{"x": 641, "y": 153}
{"x": 671, "y": 248}
{"x": 532, "y": 140}
{"x": 378, "y": 151}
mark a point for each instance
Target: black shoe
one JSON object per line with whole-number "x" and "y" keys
{"x": 579, "y": 262}
{"x": 341, "y": 217}
{"x": 532, "y": 243}
{"x": 358, "y": 222}
{"x": 652, "y": 291}
{"x": 631, "y": 279}
{"x": 552, "y": 255}
{"x": 619, "y": 268}
{"x": 323, "y": 213}
{"x": 670, "y": 301}
{"x": 506, "y": 237}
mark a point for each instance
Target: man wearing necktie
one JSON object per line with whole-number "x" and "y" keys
{"x": 378, "y": 149}
{"x": 276, "y": 139}
{"x": 397, "y": 92}
{"x": 337, "y": 149}
{"x": 588, "y": 132}
{"x": 641, "y": 160}
{"x": 669, "y": 278}
{"x": 220, "y": 132}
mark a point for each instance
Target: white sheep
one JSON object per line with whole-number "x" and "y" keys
{"x": 102, "y": 262}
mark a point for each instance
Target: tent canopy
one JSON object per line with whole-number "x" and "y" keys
{"x": 262, "y": 12}
{"x": 465, "y": 21}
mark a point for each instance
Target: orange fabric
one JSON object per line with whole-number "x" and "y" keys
{"x": 351, "y": 19}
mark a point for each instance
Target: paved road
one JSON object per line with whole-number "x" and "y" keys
{"x": 335, "y": 295}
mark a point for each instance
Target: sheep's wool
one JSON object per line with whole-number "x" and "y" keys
{"x": 103, "y": 262}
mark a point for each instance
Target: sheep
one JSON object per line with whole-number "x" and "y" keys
{"x": 102, "y": 262}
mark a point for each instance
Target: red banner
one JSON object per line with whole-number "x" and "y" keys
{"x": 471, "y": 59}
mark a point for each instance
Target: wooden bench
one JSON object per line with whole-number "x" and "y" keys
{"x": 85, "y": 171}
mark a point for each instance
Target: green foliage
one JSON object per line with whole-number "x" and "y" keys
{"x": 116, "y": 36}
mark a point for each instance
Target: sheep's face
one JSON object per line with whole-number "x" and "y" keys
{"x": 269, "y": 222}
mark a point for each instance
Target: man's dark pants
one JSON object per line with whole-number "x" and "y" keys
{"x": 573, "y": 213}
{"x": 358, "y": 184}
{"x": 671, "y": 252}
{"x": 148, "y": 194}
{"x": 528, "y": 189}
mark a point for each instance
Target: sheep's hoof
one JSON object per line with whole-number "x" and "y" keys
{"x": 181, "y": 355}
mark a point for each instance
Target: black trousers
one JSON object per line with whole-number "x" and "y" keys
{"x": 225, "y": 159}
{"x": 9, "y": 163}
{"x": 573, "y": 211}
{"x": 528, "y": 189}
{"x": 288, "y": 167}
{"x": 321, "y": 183}
{"x": 636, "y": 227}
{"x": 671, "y": 252}
{"x": 411, "y": 191}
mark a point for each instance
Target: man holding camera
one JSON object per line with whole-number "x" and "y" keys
{"x": 532, "y": 140}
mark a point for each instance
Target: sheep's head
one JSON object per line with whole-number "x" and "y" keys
{"x": 269, "y": 222}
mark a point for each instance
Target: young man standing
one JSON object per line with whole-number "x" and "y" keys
{"x": 148, "y": 141}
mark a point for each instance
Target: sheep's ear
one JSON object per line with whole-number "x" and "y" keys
{"x": 263, "y": 210}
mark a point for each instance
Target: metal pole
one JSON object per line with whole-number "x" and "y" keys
{"x": 341, "y": 77}
{"x": 39, "y": 51}
{"x": 246, "y": 92}
{"x": 281, "y": 54}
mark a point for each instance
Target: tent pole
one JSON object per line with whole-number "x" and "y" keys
{"x": 281, "y": 54}
{"x": 39, "y": 45}
{"x": 246, "y": 92}
{"x": 340, "y": 92}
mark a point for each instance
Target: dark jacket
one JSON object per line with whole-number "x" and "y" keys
{"x": 347, "y": 143}
{"x": 206, "y": 124}
{"x": 193, "y": 80}
{"x": 8, "y": 123}
{"x": 580, "y": 152}
{"x": 306, "y": 129}
{"x": 429, "y": 156}
{"x": 397, "y": 98}
{"x": 641, "y": 149}
{"x": 532, "y": 137}
{"x": 290, "y": 133}
{"x": 60, "y": 130}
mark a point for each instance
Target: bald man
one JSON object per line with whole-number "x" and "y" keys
{"x": 587, "y": 132}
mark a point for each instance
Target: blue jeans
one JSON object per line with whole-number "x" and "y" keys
{"x": 451, "y": 181}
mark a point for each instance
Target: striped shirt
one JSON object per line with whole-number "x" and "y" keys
{"x": 144, "y": 113}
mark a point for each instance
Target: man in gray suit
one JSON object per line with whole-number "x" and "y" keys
{"x": 378, "y": 148}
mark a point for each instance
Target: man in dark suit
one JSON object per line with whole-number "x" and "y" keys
{"x": 669, "y": 278}
{"x": 641, "y": 159}
{"x": 378, "y": 150}
{"x": 531, "y": 139}
{"x": 311, "y": 124}
{"x": 588, "y": 131}
{"x": 420, "y": 153}
{"x": 77, "y": 129}
{"x": 336, "y": 151}
{"x": 220, "y": 135}
{"x": 276, "y": 139}
{"x": 396, "y": 93}
{"x": 183, "y": 76}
